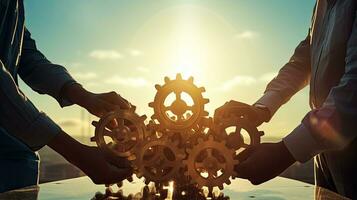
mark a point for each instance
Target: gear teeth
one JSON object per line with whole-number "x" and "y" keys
{"x": 93, "y": 139}
{"x": 151, "y": 104}
{"x": 190, "y": 79}
{"x": 205, "y": 101}
{"x": 167, "y": 79}
{"x": 130, "y": 179}
{"x": 220, "y": 187}
{"x": 143, "y": 117}
{"x": 205, "y": 113}
{"x": 202, "y": 89}
{"x": 132, "y": 108}
{"x": 261, "y": 133}
{"x": 178, "y": 76}
{"x": 158, "y": 87}
{"x": 154, "y": 117}
{"x": 228, "y": 182}
{"x": 147, "y": 182}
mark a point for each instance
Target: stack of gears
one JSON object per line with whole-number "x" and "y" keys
{"x": 180, "y": 143}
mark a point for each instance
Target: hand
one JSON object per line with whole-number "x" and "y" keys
{"x": 263, "y": 162}
{"x": 96, "y": 104}
{"x": 101, "y": 168}
{"x": 256, "y": 116}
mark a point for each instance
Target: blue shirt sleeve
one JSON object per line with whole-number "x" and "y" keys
{"x": 20, "y": 117}
{"x": 40, "y": 74}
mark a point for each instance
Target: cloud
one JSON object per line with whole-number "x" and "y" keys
{"x": 238, "y": 80}
{"x": 128, "y": 81}
{"x": 268, "y": 76}
{"x": 247, "y": 35}
{"x": 135, "y": 52}
{"x": 70, "y": 122}
{"x": 105, "y": 54}
{"x": 246, "y": 80}
{"x": 84, "y": 75}
{"x": 142, "y": 69}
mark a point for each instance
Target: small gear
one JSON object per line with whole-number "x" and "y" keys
{"x": 178, "y": 115}
{"x": 210, "y": 163}
{"x": 158, "y": 160}
{"x": 120, "y": 132}
{"x": 235, "y": 138}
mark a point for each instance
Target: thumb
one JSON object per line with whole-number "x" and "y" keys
{"x": 244, "y": 170}
{"x": 120, "y": 174}
{"x": 119, "y": 162}
{"x": 244, "y": 155}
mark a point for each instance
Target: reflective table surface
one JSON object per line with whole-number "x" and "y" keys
{"x": 82, "y": 188}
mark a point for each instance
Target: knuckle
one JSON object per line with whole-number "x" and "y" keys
{"x": 113, "y": 93}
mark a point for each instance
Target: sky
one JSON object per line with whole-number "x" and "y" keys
{"x": 231, "y": 47}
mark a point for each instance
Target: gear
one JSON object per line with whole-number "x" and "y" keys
{"x": 210, "y": 163}
{"x": 178, "y": 115}
{"x": 120, "y": 132}
{"x": 236, "y": 139}
{"x": 158, "y": 160}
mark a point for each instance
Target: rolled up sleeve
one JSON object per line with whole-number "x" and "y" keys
{"x": 333, "y": 126}
{"x": 20, "y": 117}
{"x": 292, "y": 77}
{"x": 40, "y": 74}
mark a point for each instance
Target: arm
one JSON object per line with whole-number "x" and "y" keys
{"x": 52, "y": 79}
{"x": 42, "y": 75}
{"x": 333, "y": 126}
{"x": 292, "y": 77}
{"x": 20, "y": 117}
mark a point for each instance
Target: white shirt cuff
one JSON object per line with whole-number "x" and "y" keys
{"x": 301, "y": 144}
{"x": 272, "y": 100}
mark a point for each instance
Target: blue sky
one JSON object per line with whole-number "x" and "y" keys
{"x": 231, "y": 47}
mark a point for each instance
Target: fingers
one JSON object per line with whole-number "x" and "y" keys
{"x": 117, "y": 100}
{"x": 244, "y": 170}
{"x": 231, "y": 107}
{"x": 119, "y": 162}
{"x": 120, "y": 174}
{"x": 244, "y": 155}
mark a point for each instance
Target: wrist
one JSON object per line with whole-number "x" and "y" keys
{"x": 65, "y": 145}
{"x": 285, "y": 151}
{"x": 263, "y": 111}
{"x": 76, "y": 94}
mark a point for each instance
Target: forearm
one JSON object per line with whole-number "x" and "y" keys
{"x": 20, "y": 117}
{"x": 40, "y": 74}
{"x": 292, "y": 77}
{"x": 75, "y": 93}
{"x": 67, "y": 146}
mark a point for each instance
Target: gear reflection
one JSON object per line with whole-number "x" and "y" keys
{"x": 170, "y": 192}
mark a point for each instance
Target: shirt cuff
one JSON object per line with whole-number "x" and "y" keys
{"x": 301, "y": 144}
{"x": 42, "y": 130}
{"x": 272, "y": 100}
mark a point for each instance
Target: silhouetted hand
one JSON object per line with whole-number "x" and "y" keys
{"x": 256, "y": 116}
{"x": 263, "y": 162}
{"x": 96, "y": 104}
{"x": 100, "y": 167}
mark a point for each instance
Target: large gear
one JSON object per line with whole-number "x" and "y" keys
{"x": 210, "y": 163}
{"x": 119, "y": 132}
{"x": 158, "y": 160}
{"x": 236, "y": 139}
{"x": 178, "y": 115}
